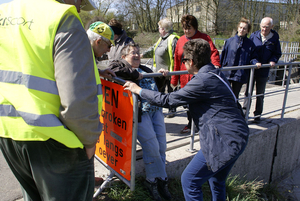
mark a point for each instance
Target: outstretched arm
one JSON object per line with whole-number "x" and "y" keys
{"x": 134, "y": 88}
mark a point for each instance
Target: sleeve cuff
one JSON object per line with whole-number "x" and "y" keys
{"x": 141, "y": 92}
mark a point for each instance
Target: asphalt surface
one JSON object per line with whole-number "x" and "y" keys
{"x": 10, "y": 189}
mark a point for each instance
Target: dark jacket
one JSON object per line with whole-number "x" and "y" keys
{"x": 238, "y": 51}
{"x": 124, "y": 70}
{"x": 223, "y": 130}
{"x": 115, "y": 51}
{"x": 269, "y": 51}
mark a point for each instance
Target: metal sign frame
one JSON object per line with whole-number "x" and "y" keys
{"x": 114, "y": 173}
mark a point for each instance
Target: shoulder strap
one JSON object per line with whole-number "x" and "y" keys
{"x": 225, "y": 84}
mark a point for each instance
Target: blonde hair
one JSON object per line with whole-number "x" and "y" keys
{"x": 166, "y": 24}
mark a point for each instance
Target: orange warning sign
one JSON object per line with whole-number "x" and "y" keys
{"x": 115, "y": 142}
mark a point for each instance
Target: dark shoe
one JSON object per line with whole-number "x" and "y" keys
{"x": 163, "y": 189}
{"x": 171, "y": 115}
{"x": 185, "y": 130}
{"x": 98, "y": 181}
{"x": 257, "y": 120}
{"x": 152, "y": 188}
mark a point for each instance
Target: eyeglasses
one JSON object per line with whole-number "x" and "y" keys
{"x": 109, "y": 44}
{"x": 185, "y": 60}
{"x": 134, "y": 53}
{"x": 82, "y": 6}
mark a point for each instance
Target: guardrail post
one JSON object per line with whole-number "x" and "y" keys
{"x": 283, "y": 76}
{"x": 251, "y": 80}
{"x": 192, "y": 139}
{"x": 286, "y": 91}
{"x": 134, "y": 138}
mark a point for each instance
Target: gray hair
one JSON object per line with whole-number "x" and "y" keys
{"x": 94, "y": 36}
{"x": 126, "y": 49}
{"x": 166, "y": 24}
{"x": 267, "y": 18}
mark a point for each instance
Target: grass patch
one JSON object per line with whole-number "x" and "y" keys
{"x": 237, "y": 189}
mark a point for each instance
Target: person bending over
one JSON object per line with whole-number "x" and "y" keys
{"x": 218, "y": 116}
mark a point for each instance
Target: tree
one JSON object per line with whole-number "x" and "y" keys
{"x": 146, "y": 13}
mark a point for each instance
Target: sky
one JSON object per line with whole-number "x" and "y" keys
{"x": 4, "y": 1}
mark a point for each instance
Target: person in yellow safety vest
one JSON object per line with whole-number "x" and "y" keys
{"x": 163, "y": 55}
{"x": 50, "y": 98}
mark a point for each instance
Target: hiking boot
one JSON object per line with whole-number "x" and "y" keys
{"x": 185, "y": 130}
{"x": 152, "y": 188}
{"x": 162, "y": 186}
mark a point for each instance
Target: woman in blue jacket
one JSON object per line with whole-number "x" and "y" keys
{"x": 238, "y": 51}
{"x": 217, "y": 114}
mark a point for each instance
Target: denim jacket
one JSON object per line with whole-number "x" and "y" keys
{"x": 223, "y": 130}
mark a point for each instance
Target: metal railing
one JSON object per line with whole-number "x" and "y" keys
{"x": 285, "y": 83}
{"x": 287, "y": 48}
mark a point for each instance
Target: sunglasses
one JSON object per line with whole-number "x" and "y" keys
{"x": 185, "y": 60}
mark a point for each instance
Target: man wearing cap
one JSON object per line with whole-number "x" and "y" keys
{"x": 101, "y": 37}
{"x": 50, "y": 98}
{"x": 121, "y": 40}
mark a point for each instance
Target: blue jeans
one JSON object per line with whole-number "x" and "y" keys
{"x": 152, "y": 136}
{"x": 260, "y": 84}
{"x": 197, "y": 173}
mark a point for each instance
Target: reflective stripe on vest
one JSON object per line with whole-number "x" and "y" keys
{"x": 46, "y": 120}
{"x": 33, "y": 82}
{"x": 29, "y": 99}
{"x": 36, "y": 83}
{"x": 170, "y": 52}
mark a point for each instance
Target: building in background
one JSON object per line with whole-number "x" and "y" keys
{"x": 221, "y": 16}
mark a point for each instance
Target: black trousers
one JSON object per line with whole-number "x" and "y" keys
{"x": 260, "y": 85}
{"x": 236, "y": 87}
{"x": 164, "y": 86}
{"x": 49, "y": 170}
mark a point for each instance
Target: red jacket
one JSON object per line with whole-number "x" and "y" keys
{"x": 178, "y": 66}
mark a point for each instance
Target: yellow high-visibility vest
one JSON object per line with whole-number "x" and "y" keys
{"x": 170, "y": 41}
{"x": 29, "y": 99}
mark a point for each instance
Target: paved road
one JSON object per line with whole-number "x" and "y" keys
{"x": 11, "y": 191}
{"x": 9, "y": 187}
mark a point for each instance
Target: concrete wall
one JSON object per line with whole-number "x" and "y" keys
{"x": 272, "y": 153}
{"x": 256, "y": 160}
{"x": 288, "y": 148}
